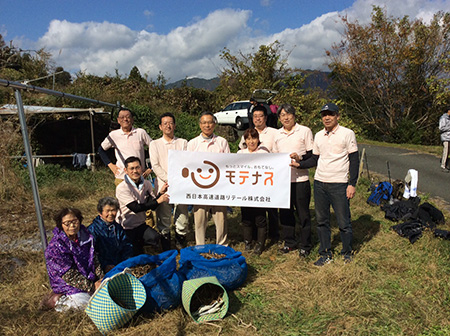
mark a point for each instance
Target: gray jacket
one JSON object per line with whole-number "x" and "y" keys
{"x": 444, "y": 127}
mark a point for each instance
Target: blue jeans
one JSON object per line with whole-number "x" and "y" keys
{"x": 334, "y": 194}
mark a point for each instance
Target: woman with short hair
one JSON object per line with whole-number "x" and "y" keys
{"x": 110, "y": 241}
{"x": 252, "y": 216}
{"x": 73, "y": 268}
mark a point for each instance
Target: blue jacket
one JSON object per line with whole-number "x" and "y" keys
{"x": 110, "y": 242}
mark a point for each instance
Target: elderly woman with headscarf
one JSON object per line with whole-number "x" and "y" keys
{"x": 73, "y": 267}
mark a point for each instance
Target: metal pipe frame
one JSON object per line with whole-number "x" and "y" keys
{"x": 34, "y": 186}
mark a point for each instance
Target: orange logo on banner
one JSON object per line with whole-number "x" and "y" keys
{"x": 185, "y": 174}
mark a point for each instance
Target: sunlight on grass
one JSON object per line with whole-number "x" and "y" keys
{"x": 392, "y": 287}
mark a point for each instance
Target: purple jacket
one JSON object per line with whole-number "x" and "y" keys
{"x": 62, "y": 254}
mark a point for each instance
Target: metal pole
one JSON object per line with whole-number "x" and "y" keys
{"x": 16, "y": 85}
{"x": 34, "y": 186}
{"x": 91, "y": 113}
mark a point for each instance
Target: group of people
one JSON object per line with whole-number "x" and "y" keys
{"x": 78, "y": 257}
{"x": 335, "y": 153}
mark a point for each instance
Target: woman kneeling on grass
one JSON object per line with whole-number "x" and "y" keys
{"x": 252, "y": 217}
{"x": 110, "y": 241}
{"x": 73, "y": 268}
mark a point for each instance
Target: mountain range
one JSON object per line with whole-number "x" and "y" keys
{"x": 315, "y": 79}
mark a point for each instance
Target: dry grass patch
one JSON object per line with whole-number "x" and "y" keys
{"x": 392, "y": 287}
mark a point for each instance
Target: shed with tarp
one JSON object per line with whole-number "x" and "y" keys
{"x": 76, "y": 131}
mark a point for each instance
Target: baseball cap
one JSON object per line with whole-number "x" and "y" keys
{"x": 330, "y": 107}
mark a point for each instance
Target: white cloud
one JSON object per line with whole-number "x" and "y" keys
{"x": 309, "y": 42}
{"x": 194, "y": 50}
{"x": 148, "y": 13}
{"x": 98, "y": 48}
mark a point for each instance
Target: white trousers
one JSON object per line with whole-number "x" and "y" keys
{"x": 444, "y": 154}
{"x": 75, "y": 301}
{"x": 180, "y": 218}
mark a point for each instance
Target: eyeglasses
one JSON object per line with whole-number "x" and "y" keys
{"x": 169, "y": 123}
{"x": 73, "y": 222}
{"x": 207, "y": 123}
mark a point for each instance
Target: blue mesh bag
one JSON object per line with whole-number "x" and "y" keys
{"x": 163, "y": 284}
{"x": 230, "y": 270}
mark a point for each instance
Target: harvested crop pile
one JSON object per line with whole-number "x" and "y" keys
{"x": 207, "y": 296}
{"x": 210, "y": 255}
{"x": 141, "y": 270}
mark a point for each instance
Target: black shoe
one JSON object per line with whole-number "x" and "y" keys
{"x": 165, "y": 242}
{"x": 180, "y": 241}
{"x": 259, "y": 247}
{"x": 445, "y": 170}
{"x": 248, "y": 245}
{"x": 323, "y": 260}
{"x": 347, "y": 258}
{"x": 286, "y": 249}
{"x": 303, "y": 253}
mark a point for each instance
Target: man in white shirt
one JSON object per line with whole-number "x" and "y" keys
{"x": 207, "y": 141}
{"x": 159, "y": 150}
{"x": 336, "y": 154}
{"x": 126, "y": 141}
{"x": 297, "y": 140}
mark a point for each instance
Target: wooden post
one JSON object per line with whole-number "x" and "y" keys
{"x": 91, "y": 112}
{"x": 361, "y": 162}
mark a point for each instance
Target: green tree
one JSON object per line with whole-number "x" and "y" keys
{"x": 63, "y": 78}
{"x": 267, "y": 68}
{"x": 135, "y": 74}
{"x": 243, "y": 73}
{"x": 390, "y": 75}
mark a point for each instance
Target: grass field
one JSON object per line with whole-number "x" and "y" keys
{"x": 391, "y": 288}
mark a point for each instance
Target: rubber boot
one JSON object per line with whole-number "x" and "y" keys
{"x": 260, "y": 243}
{"x": 248, "y": 233}
{"x": 180, "y": 241}
{"x": 165, "y": 242}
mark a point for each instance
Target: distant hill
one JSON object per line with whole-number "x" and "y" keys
{"x": 316, "y": 79}
{"x": 199, "y": 83}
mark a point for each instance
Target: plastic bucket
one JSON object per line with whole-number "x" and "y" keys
{"x": 116, "y": 302}
{"x": 197, "y": 290}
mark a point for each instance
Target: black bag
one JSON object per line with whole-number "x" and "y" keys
{"x": 398, "y": 187}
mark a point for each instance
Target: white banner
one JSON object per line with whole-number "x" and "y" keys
{"x": 250, "y": 180}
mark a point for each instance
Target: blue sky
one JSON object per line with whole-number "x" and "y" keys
{"x": 184, "y": 38}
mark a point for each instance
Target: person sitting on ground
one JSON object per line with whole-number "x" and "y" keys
{"x": 135, "y": 195}
{"x": 110, "y": 241}
{"x": 73, "y": 267}
{"x": 252, "y": 216}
